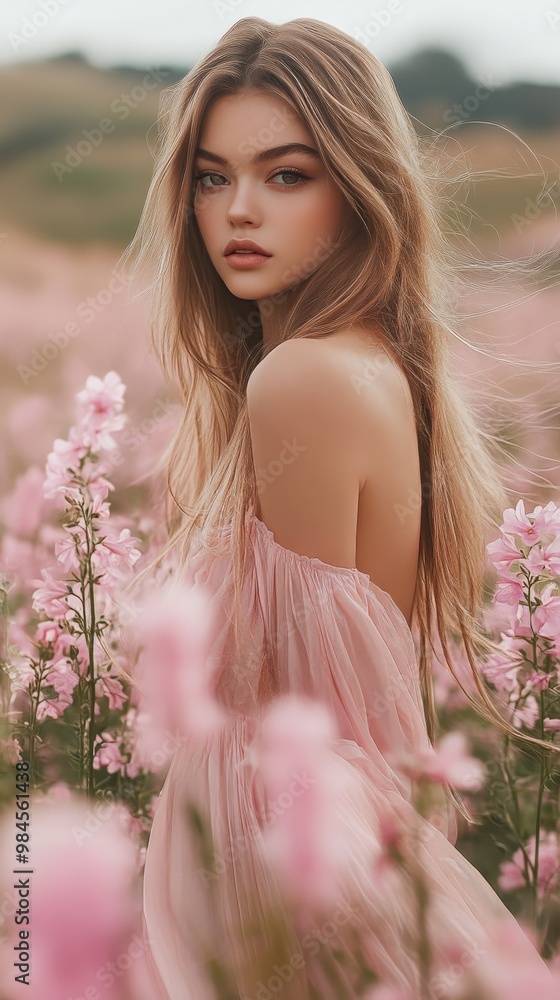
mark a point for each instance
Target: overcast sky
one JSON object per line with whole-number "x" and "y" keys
{"x": 506, "y": 39}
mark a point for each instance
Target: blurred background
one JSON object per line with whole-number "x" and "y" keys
{"x": 79, "y": 90}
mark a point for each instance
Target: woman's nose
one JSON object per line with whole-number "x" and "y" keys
{"x": 243, "y": 204}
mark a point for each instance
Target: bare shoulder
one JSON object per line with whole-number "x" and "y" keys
{"x": 309, "y": 447}
{"x": 304, "y": 367}
{"x": 346, "y": 374}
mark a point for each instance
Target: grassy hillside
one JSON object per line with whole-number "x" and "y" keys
{"x": 75, "y": 160}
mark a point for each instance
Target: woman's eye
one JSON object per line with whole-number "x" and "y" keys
{"x": 291, "y": 173}
{"x": 201, "y": 177}
{"x": 297, "y": 176}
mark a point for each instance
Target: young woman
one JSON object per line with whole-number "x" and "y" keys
{"x": 331, "y": 487}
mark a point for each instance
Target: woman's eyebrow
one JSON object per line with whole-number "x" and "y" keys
{"x": 264, "y": 154}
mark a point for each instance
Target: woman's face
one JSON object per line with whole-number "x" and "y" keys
{"x": 286, "y": 202}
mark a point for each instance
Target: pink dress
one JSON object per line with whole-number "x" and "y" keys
{"x": 330, "y": 633}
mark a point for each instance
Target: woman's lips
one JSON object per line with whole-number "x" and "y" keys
{"x": 243, "y": 260}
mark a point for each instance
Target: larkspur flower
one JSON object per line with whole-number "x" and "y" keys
{"x": 110, "y": 687}
{"x": 109, "y": 754}
{"x": 530, "y": 530}
{"x": 504, "y": 553}
{"x": 512, "y": 877}
{"x": 544, "y": 559}
{"x": 99, "y": 406}
{"x": 546, "y": 616}
{"x": 62, "y": 463}
{"x": 51, "y": 596}
{"x": 503, "y": 666}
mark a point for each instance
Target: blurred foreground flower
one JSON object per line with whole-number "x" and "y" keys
{"x": 506, "y": 972}
{"x": 448, "y": 763}
{"x": 304, "y": 781}
{"x": 175, "y": 670}
{"x": 83, "y": 919}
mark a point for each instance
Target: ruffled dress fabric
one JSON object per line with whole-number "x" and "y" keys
{"x": 328, "y": 633}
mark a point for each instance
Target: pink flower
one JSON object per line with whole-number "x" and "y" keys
{"x": 102, "y": 397}
{"x": 63, "y": 462}
{"x": 517, "y": 522}
{"x": 47, "y": 632}
{"x": 523, "y": 625}
{"x": 526, "y": 714}
{"x": 511, "y": 872}
{"x": 115, "y": 553}
{"x": 111, "y": 688}
{"x": 65, "y": 551}
{"x": 552, "y": 725}
{"x": 98, "y": 405}
{"x": 23, "y": 508}
{"x": 448, "y": 763}
{"x": 544, "y": 559}
{"x": 83, "y": 898}
{"x": 546, "y": 617}
{"x": 509, "y": 969}
{"x": 540, "y": 682}
{"x": 301, "y": 776}
{"x": 51, "y": 596}
{"x": 502, "y": 667}
{"x": 174, "y": 626}
{"x": 63, "y": 678}
{"x": 99, "y": 491}
{"x": 82, "y": 655}
{"x": 109, "y": 754}
{"x": 509, "y": 592}
{"x": 50, "y": 708}
{"x": 504, "y": 554}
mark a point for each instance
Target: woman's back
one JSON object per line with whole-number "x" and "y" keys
{"x": 387, "y": 527}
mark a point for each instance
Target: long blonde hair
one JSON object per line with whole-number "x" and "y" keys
{"x": 393, "y": 268}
